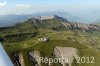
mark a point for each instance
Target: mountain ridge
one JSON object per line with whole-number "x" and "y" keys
{"x": 14, "y": 18}
{"x": 69, "y": 25}
{"x": 57, "y": 23}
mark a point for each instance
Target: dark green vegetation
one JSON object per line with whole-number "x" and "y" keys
{"x": 23, "y": 38}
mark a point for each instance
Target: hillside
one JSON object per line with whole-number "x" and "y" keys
{"x": 28, "y": 36}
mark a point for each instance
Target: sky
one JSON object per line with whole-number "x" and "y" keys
{"x": 35, "y": 6}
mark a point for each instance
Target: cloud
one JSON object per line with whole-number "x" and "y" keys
{"x": 22, "y": 6}
{"x": 3, "y": 4}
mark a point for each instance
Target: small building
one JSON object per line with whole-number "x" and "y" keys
{"x": 43, "y": 39}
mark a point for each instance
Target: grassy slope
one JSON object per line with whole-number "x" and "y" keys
{"x": 24, "y": 44}
{"x": 56, "y": 39}
{"x": 46, "y": 49}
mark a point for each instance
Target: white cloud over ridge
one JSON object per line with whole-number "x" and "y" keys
{"x": 3, "y": 4}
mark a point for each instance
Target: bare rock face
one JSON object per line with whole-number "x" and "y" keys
{"x": 16, "y": 59}
{"x": 53, "y": 17}
{"x": 21, "y": 59}
{"x": 35, "y": 56}
{"x": 66, "y": 54}
{"x": 46, "y": 17}
{"x": 81, "y": 26}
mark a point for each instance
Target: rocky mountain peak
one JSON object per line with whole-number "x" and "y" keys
{"x": 52, "y": 17}
{"x": 57, "y": 22}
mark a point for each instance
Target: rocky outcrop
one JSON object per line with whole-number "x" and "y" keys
{"x": 46, "y": 17}
{"x": 53, "y": 17}
{"x": 21, "y": 59}
{"x": 81, "y": 26}
{"x": 16, "y": 59}
{"x": 66, "y": 54}
{"x": 34, "y": 57}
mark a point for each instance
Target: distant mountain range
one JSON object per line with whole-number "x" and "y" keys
{"x": 6, "y": 20}
{"x": 11, "y": 19}
{"x": 53, "y": 22}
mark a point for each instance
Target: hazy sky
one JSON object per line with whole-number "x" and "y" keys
{"x": 33, "y": 6}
